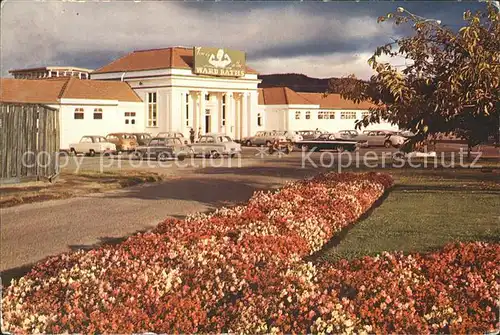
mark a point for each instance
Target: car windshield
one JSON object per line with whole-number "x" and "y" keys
{"x": 100, "y": 139}
{"x": 324, "y": 136}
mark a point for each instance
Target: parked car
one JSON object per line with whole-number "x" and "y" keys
{"x": 215, "y": 145}
{"x": 171, "y": 134}
{"x": 384, "y": 138}
{"x": 260, "y": 138}
{"x": 92, "y": 145}
{"x": 328, "y": 142}
{"x": 309, "y": 134}
{"x": 348, "y": 134}
{"x": 123, "y": 141}
{"x": 142, "y": 138}
{"x": 290, "y": 135}
{"x": 163, "y": 148}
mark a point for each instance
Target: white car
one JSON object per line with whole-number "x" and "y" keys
{"x": 92, "y": 145}
{"x": 215, "y": 145}
{"x": 293, "y": 136}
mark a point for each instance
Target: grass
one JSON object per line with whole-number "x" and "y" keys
{"x": 72, "y": 185}
{"x": 425, "y": 210}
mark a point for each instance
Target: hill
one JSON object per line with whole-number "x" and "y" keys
{"x": 295, "y": 81}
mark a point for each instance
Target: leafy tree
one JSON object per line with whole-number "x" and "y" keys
{"x": 451, "y": 84}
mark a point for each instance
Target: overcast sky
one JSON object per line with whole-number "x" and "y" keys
{"x": 319, "y": 39}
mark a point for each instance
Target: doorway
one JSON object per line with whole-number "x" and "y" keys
{"x": 208, "y": 122}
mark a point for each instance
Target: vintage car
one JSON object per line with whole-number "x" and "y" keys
{"x": 309, "y": 134}
{"x": 92, "y": 145}
{"x": 123, "y": 141}
{"x": 384, "y": 138}
{"x": 348, "y": 134}
{"x": 291, "y": 136}
{"x": 215, "y": 145}
{"x": 260, "y": 138}
{"x": 163, "y": 148}
{"x": 142, "y": 138}
{"x": 171, "y": 134}
{"x": 328, "y": 142}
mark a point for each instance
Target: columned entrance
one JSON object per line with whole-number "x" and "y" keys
{"x": 227, "y": 112}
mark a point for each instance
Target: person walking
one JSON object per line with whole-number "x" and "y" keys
{"x": 191, "y": 135}
{"x": 199, "y": 133}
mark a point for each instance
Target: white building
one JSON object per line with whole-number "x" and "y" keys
{"x": 86, "y": 107}
{"x": 176, "y": 89}
{"x": 177, "y": 99}
{"x": 285, "y": 109}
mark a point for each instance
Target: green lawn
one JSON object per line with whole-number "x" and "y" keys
{"x": 425, "y": 210}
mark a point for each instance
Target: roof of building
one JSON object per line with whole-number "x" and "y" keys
{"x": 49, "y": 91}
{"x": 287, "y": 96}
{"x": 154, "y": 59}
{"x": 334, "y": 100}
{"x": 281, "y": 96}
{"x": 52, "y": 68}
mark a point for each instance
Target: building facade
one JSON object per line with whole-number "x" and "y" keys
{"x": 176, "y": 98}
{"x": 86, "y": 107}
{"x": 285, "y": 109}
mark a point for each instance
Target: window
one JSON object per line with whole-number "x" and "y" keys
{"x": 348, "y": 115}
{"x": 127, "y": 121}
{"x": 79, "y": 114}
{"x": 86, "y": 140}
{"x": 331, "y": 115}
{"x": 207, "y": 97}
{"x": 259, "y": 120}
{"x": 297, "y": 115}
{"x": 365, "y": 113}
{"x": 321, "y": 115}
{"x": 308, "y": 115}
{"x": 97, "y": 113}
{"x": 152, "y": 110}
{"x": 223, "y": 103}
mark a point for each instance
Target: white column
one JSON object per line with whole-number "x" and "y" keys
{"x": 221, "y": 128}
{"x": 244, "y": 115}
{"x": 191, "y": 110}
{"x": 229, "y": 114}
{"x": 237, "y": 129}
{"x": 202, "y": 110}
{"x": 183, "y": 114}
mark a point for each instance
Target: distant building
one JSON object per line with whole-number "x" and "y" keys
{"x": 285, "y": 109}
{"x": 51, "y": 72}
{"x": 86, "y": 107}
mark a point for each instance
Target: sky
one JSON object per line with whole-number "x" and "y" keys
{"x": 318, "y": 39}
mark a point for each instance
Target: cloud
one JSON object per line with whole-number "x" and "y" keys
{"x": 313, "y": 38}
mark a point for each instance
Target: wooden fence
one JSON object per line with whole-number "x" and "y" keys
{"x": 29, "y": 142}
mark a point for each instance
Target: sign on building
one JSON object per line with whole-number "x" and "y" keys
{"x": 219, "y": 62}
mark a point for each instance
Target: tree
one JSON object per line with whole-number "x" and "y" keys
{"x": 450, "y": 86}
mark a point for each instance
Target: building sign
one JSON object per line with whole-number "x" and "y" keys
{"x": 218, "y": 62}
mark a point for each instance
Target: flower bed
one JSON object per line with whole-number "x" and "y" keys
{"x": 241, "y": 270}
